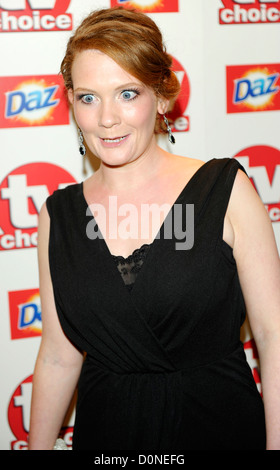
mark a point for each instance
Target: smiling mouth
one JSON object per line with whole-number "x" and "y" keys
{"x": 114, "y": 141}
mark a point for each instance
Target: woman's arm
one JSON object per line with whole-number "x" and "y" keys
{"x": 58, "y": 363}
{"x": 258, "y": 265}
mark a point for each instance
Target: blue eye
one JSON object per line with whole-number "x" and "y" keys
{"x": 129, "y": 95}
{"x": 87, "y": 98}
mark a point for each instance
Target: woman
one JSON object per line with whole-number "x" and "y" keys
{"x": 159, "y": 321}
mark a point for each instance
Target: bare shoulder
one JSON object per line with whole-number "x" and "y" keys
{"x": 252, "y": 227}
{"x": 188, "y": 162}
{"x": 186, "y": 165}
{"x": 245, "y": 204}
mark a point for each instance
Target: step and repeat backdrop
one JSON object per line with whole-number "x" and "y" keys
{"x": 226, "y": 55}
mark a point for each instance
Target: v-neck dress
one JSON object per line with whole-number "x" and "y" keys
{"x": 164, "y": 367}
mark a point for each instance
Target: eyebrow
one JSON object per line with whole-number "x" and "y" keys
{"x": 83, "y": 89}
{"x": 121, "y": 87}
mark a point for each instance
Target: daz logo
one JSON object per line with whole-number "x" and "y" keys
{"x": 34, "y": 15}
{"x": 262, "y": 164}
{"x": 148, "y": 6}
{"x": 25, "y": 313}
{"x": 22, "y": 194}
{"x": 249, "y": 11}
{"x": 253, "y": 88}
{"x": 33, "y": 101}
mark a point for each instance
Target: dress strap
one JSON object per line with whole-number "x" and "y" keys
{"x": 210, "y": 193}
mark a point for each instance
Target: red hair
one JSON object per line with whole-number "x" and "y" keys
{"x": 133, "y": 41}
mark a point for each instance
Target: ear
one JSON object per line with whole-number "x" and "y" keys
{"x": 163, "y": 104}
{"x": 70, "y": 95}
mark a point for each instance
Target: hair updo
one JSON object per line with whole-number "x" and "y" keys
{"x": 133, "y": 41}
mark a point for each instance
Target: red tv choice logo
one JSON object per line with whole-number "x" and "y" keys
{"x": 22, "y": 194}
{"x": 25, "y": 313}
{"x": 253, "y": 88}
{"x": 262, "y": 164}
{"x": 19, "y": 413}
{"x": 148, "y": 6}
{"x": 179, "y": 120}
{"x": 19, "y": 417}
{"x": 34, "y": 15}
{"x": 249, "y": 11}
{"x": 33, "y": 101}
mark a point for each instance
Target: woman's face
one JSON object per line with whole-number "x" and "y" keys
{"x": 114, "y": 110}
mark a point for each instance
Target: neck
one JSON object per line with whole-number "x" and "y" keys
{"x": 134, "y": 174}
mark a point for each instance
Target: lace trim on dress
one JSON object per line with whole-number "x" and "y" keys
{"x": 129, "y": 267}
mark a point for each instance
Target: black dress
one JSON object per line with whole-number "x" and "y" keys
{"x": 164, "y": 368}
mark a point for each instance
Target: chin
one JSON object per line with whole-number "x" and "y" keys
{"x": 117, "y": 160}
{"x": 115, "y": 163}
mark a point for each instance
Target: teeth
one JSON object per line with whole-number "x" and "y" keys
{"x": 114, "y": 140}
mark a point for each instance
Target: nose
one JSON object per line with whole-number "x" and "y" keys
{"x": 108, "y": 114}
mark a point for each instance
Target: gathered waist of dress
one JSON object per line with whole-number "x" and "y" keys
{"x": 236, "y": 352}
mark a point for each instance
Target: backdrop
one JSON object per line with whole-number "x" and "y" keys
{"x": 226, "y": 56}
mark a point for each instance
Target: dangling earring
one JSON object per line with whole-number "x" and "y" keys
{"x": 82, "y": 148}
{"x": 171, "y": 137}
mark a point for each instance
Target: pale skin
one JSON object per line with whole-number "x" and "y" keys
{"x": 137, "y": 171}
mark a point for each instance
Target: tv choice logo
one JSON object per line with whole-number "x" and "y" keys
{"x": 178, "y": 119}
{"x": 262, "y": 164}
{"x": 249, "y": 12}
{"x": 25, "y": 313}
{"x": 22, "y": 194}
{"x": 34, "y": 16}
{"x": 19, "y": 417}
{"x": 149, "y": 6}
{"x": 33, "y": 101}
{"x": 19, "y": 413}
{"x": 253, "y": 88}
